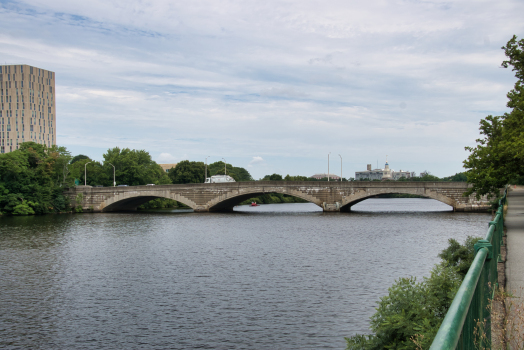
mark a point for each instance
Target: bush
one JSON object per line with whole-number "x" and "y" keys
{"x": 24, "y": 208}
{"x": 410, "y": 315}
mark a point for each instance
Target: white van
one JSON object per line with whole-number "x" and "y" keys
{"x": 219, "y": 179}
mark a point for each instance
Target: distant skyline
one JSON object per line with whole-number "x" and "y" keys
{"x": 271, "y": 86}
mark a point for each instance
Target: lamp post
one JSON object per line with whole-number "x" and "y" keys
{"x": 114, "y": 182}
{"x": 328, "y": 165}
{"x": 340, "y": 167}
{"x": 85, "y": 173}
{"x": 205, "y": 174}
{"x": 225, "y": 169}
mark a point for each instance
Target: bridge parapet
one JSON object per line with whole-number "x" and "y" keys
{"x": 330, "y": 196}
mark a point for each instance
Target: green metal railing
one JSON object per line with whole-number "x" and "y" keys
{"x": 470, "y": 304}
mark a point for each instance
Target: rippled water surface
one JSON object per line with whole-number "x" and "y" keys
{"x": 281, "y": 276}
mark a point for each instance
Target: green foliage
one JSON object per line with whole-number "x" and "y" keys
{"x": 132, "y": 168}
{"x": 24, "y": 208}
{"x": 415, "y": 310}
{"x": 160, "y": 203}
{"x": 273, "y": 198}
{"x": 96, "y": 174}
{"x": 425, "y": 177}
{"x": 187, "y": 172}
{"x": 77, "y": 158}
{"x": 458, "y": 177}
{"x": 498, "y": 157}
{"x": 296, "y": 178}
{"x": 29, "y": 177}
{"x": 273, "y": 177}
{"x": 458, "y": 255}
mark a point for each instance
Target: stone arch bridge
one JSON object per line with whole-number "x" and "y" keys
{"x": 330, "y": 196}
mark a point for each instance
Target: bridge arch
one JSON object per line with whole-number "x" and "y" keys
{"x": 226, "y": 203}
{"x": 131, "y": 200}
{"x": 362, "y": 195}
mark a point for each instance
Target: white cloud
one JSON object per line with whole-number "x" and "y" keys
{"x": 256, "y": 160}
{"x": 289, "y": 81}
{"x": 166, "y": 158}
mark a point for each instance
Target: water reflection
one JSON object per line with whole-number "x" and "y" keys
{"x": 278, "y": 276}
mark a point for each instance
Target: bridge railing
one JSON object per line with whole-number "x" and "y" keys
{"x": 470, "y": 304}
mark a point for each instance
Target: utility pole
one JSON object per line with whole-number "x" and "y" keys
{"x": 328, "y": 165}
{"x": 340, "y": 167}
{"x": 85, "y": 173}
{"x": 114, "y": 182}
{"x": 205, "y": 176}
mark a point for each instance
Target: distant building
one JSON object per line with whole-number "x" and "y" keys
{"x": 166, "y": 167}
{"x": 321, "y": 176}
{"x": 27, "y": 106}
{"x": 382, "y": 174}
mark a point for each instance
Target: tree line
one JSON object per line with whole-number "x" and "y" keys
{"x": 33, "y": 178}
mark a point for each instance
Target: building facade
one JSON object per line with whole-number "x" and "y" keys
{"x": 27, "y": 106}
{"x": 167, "y": 167}
{"x": 382, "y": 174}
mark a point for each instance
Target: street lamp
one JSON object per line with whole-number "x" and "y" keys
{"x": 85, "y": 173}
{"x": 114, "y": 182}
{"x": 225, "y": 170}
{"x": 205, "y": 176}
{"x": 340, "y": 167}
{"x": 328, "y": 165}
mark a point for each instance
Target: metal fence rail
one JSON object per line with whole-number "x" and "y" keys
{"x": 471, "y": 301}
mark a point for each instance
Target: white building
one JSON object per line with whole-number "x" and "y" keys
{"x": 381, "y": 174}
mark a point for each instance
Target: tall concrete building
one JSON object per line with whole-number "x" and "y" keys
{"x": 27, "y": 106}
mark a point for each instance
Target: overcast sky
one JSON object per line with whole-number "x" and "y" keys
{"x": 272, "y": 86}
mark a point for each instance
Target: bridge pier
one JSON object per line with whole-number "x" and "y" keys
{"x": 331, "y": 207}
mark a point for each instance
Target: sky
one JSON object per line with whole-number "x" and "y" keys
{"x": 272, "y": 86}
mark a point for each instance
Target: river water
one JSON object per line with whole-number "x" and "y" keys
{"x": 278, "y": 276}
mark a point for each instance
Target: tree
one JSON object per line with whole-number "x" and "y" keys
{"x": 458, "y": 177}
{"x": 132, "y": 167}
{"x": 29, "y": 177}
{"x": 77, "y": 158}
{"x": 296, "y": 178}
{"x": 187, "y": 172}
{"x": 498, "y": 157}
{"x": 273, "y": 177}
{"x": 459, "y": 256}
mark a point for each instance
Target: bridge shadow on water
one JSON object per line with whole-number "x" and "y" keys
{"x": 371, "y": 206}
